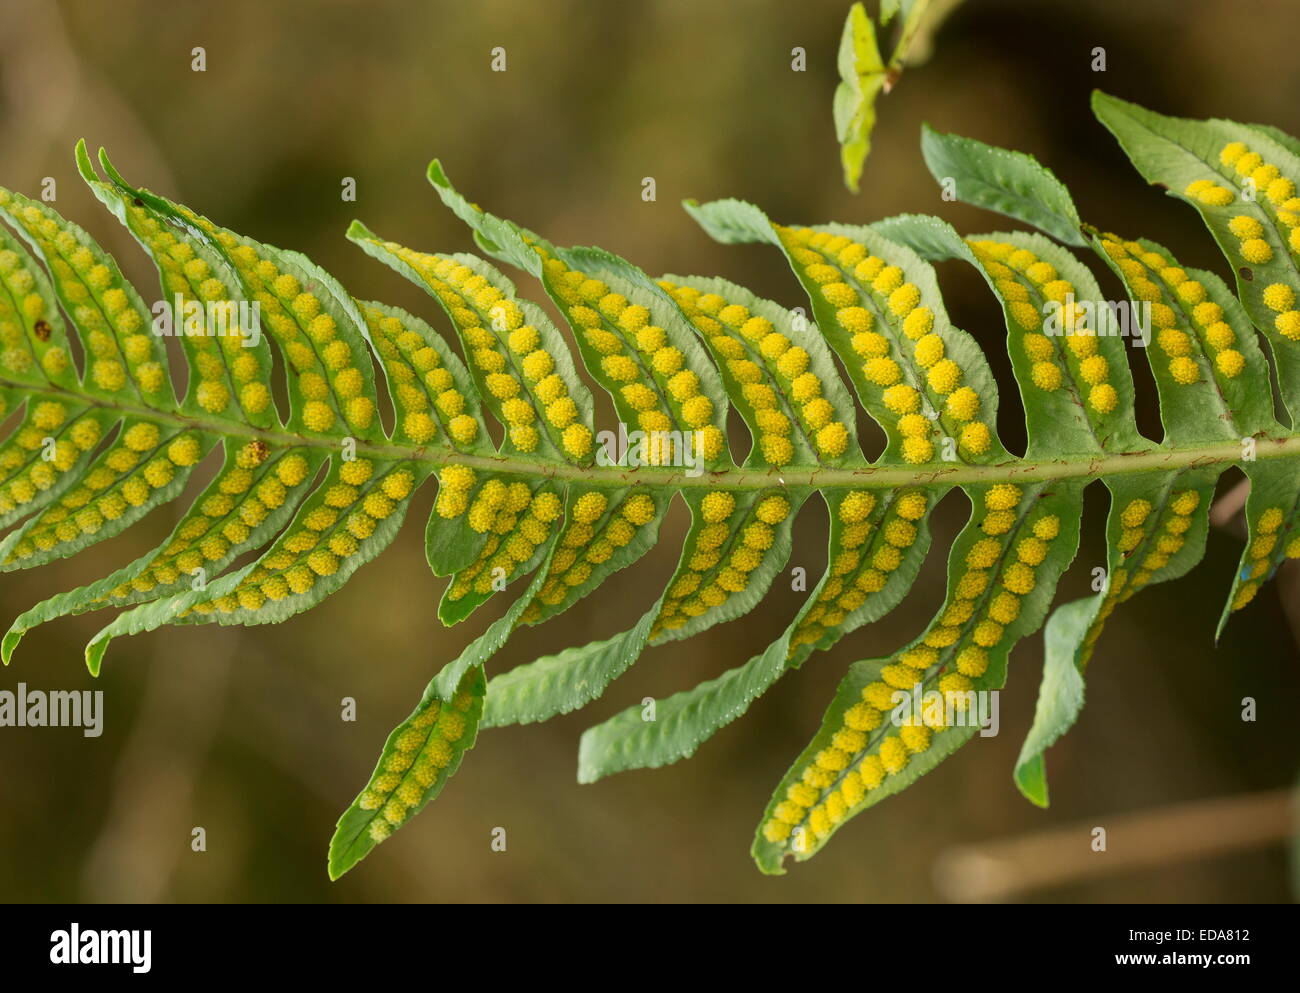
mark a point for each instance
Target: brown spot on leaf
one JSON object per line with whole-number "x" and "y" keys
{"x": 42, "y": 329}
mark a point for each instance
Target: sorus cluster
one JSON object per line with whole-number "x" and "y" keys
{"x": 774, "y": 377}
{"x": 516, "y": 520}
{"x": 423, "y": 387}
{"x": 1147, "y": 545}
{"x": 727, "y": 543}
{"x": 23, "y": 336}
{"x": 423, "y": 748}
{"x": 637, "y": 363}
{"x": 1277, "y": 194}
{"x": 1210, "y": 193}
{"x": 597, "y": 528}
{"x": 28, "y": 467}
{"x": 1028, "y": 283}
{"x": 869, "y": 547}
{"x": 1277, "y": 297}
{"x": 912, "y": 370}
{"x": 120, "y": 351}
{"x": 328, "y": 373}
{"x": 221, "y": 523}
{"x": 353, "y": 504}
{"x": 861, "y": 754}
{"x": 1191, "y": 307}
{"x": 519, "y": 376}
{"x": 141, "y": 461}
{"x": 1261, "y": 553}
{"x": 220, "y": 363}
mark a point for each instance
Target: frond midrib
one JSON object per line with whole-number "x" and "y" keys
{"x": 1017, "y": 471}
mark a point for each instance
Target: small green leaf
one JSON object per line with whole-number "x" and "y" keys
{"x": 1010, "y": 183}
{"x": 862, "y": 74}
{"x": 1060, "y": 697}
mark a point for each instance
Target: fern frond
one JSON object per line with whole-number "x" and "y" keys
{"x": 311, "y": 483}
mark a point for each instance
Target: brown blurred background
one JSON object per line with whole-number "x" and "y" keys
{"x": 240, "y": 732}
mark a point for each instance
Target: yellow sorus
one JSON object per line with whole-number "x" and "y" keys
{"x": 857, "y": 506}
{"x": 904, "y": 299}
{"x": 903, "y": 399}
{"x": 911, "y": 505}
{"x": 1245, "y": 227}
{"x": 1209, "y": 193}
{"x": 913, "y": 426}
{"x": 976, "y": 438}
{"x": 882, "y": 371}
{"x": 589, "y": 507}
{"x": 944, "y": 376}
{"x": 1288, "y": 324}
{"x": 1174, "y": 342}
{"x": 717, "y": 506}
{"x": 1256, "y": 251}
{"x": 1135, "y": 513}
{"x": 771, "y": 510}
{"x": 1185, "y": 503}
{"x": 917, "y": 450}
{"x": 1220, "y": 335}
{"x": 1279, "y": 296}
{"x": 1230, "y": 362}
{"x": 1046, "y": 376}
{"x": 963, "y": 404}
{"x": 1003, "y": 496}
{"x": 1184, "y": 370}
{"x": 1039, "y": 347}
{"x": 1269, "y": 520}
{"x": 929, "y": 350}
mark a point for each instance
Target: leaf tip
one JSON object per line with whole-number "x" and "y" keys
{"x": 10, "y": 643}
{"x": 436, "y": 174}
{"x": 95, "y": 655}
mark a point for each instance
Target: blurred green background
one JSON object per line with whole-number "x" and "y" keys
{"x": 240, "y": 731}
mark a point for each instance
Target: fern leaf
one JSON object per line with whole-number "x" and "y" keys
{"x": 309, "y": 489}
{"x": 1002, "y": 574}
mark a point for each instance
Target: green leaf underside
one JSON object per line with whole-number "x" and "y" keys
{"x": 302, "y": 497}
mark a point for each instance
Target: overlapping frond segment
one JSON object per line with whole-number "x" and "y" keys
{"x": 633, "y": 338}
{"x": 1067, "y": 350}
{"x": 1213, "y": 380}
{"x": 878, "y": 540}
{"x": 735, "y": 546}
{"x": 206, "y": 308}
{"x": 227, "y": 519}
{"x": 518, "y": 361}
{"x": 894, "y": 719}
{"x": 926, "y": 383}
{"x": 123, "y": 359}
{"x": 1242, "y": 181}
{"x": 779, "y": 371}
